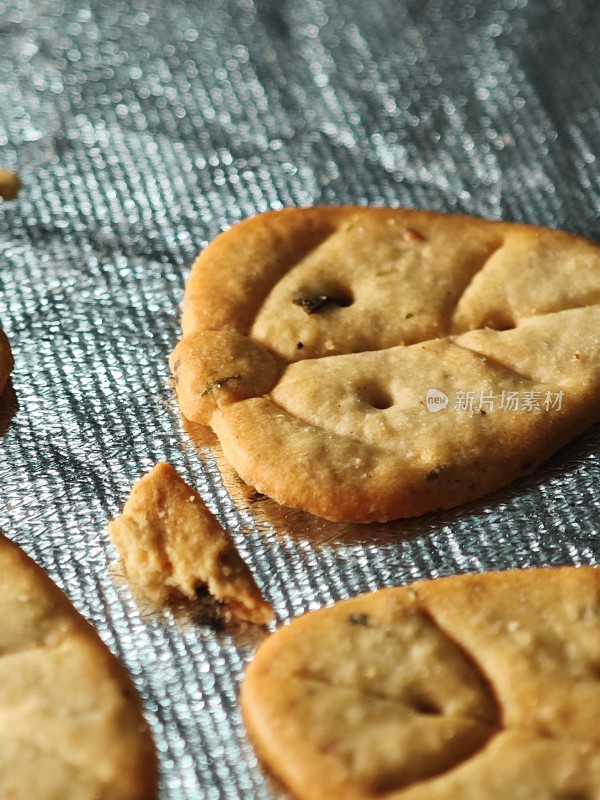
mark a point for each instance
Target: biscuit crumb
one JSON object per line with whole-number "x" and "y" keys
{"x": 172, "y": 546}
{"x": 10, "y": 183}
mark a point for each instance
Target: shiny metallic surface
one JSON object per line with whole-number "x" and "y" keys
{"x": 141, "y": 129}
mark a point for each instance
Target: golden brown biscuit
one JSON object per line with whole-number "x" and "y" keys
{"x": 10, "y": 184}
{"x": 172, "y": 545}
{"x": 71, "y": 723}
{"x": 478, "y": 686}
{"x": 369, "y": 364}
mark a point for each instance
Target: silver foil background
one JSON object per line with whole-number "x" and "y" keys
{"x": 141, "y": 129}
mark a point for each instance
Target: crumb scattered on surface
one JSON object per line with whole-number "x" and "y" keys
{"x": 10, "y": 183}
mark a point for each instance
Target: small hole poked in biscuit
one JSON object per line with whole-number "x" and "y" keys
{"x": 424, "y": 705}
{"x": 376, "y": 396}
{"x": 499, "y": 321}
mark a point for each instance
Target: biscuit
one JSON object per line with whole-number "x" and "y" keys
{"x": 317, "y": 341}
{"x": 71, "y": 723}
{"x": 10, "y": 184}
{"x": 172, "y": 546}
{"x": 477, "y": 686}
{"x": 6, "y": 360}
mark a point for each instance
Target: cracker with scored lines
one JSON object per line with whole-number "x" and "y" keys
{"x": 368, "y": 364}
{"x": 462, "y": 688}
{"x": 71, "y": 723}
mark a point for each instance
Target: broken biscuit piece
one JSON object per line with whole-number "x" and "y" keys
{"x": 172, "y": 545}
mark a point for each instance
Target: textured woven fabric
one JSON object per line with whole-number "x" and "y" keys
{"x": 142, "y": 128}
